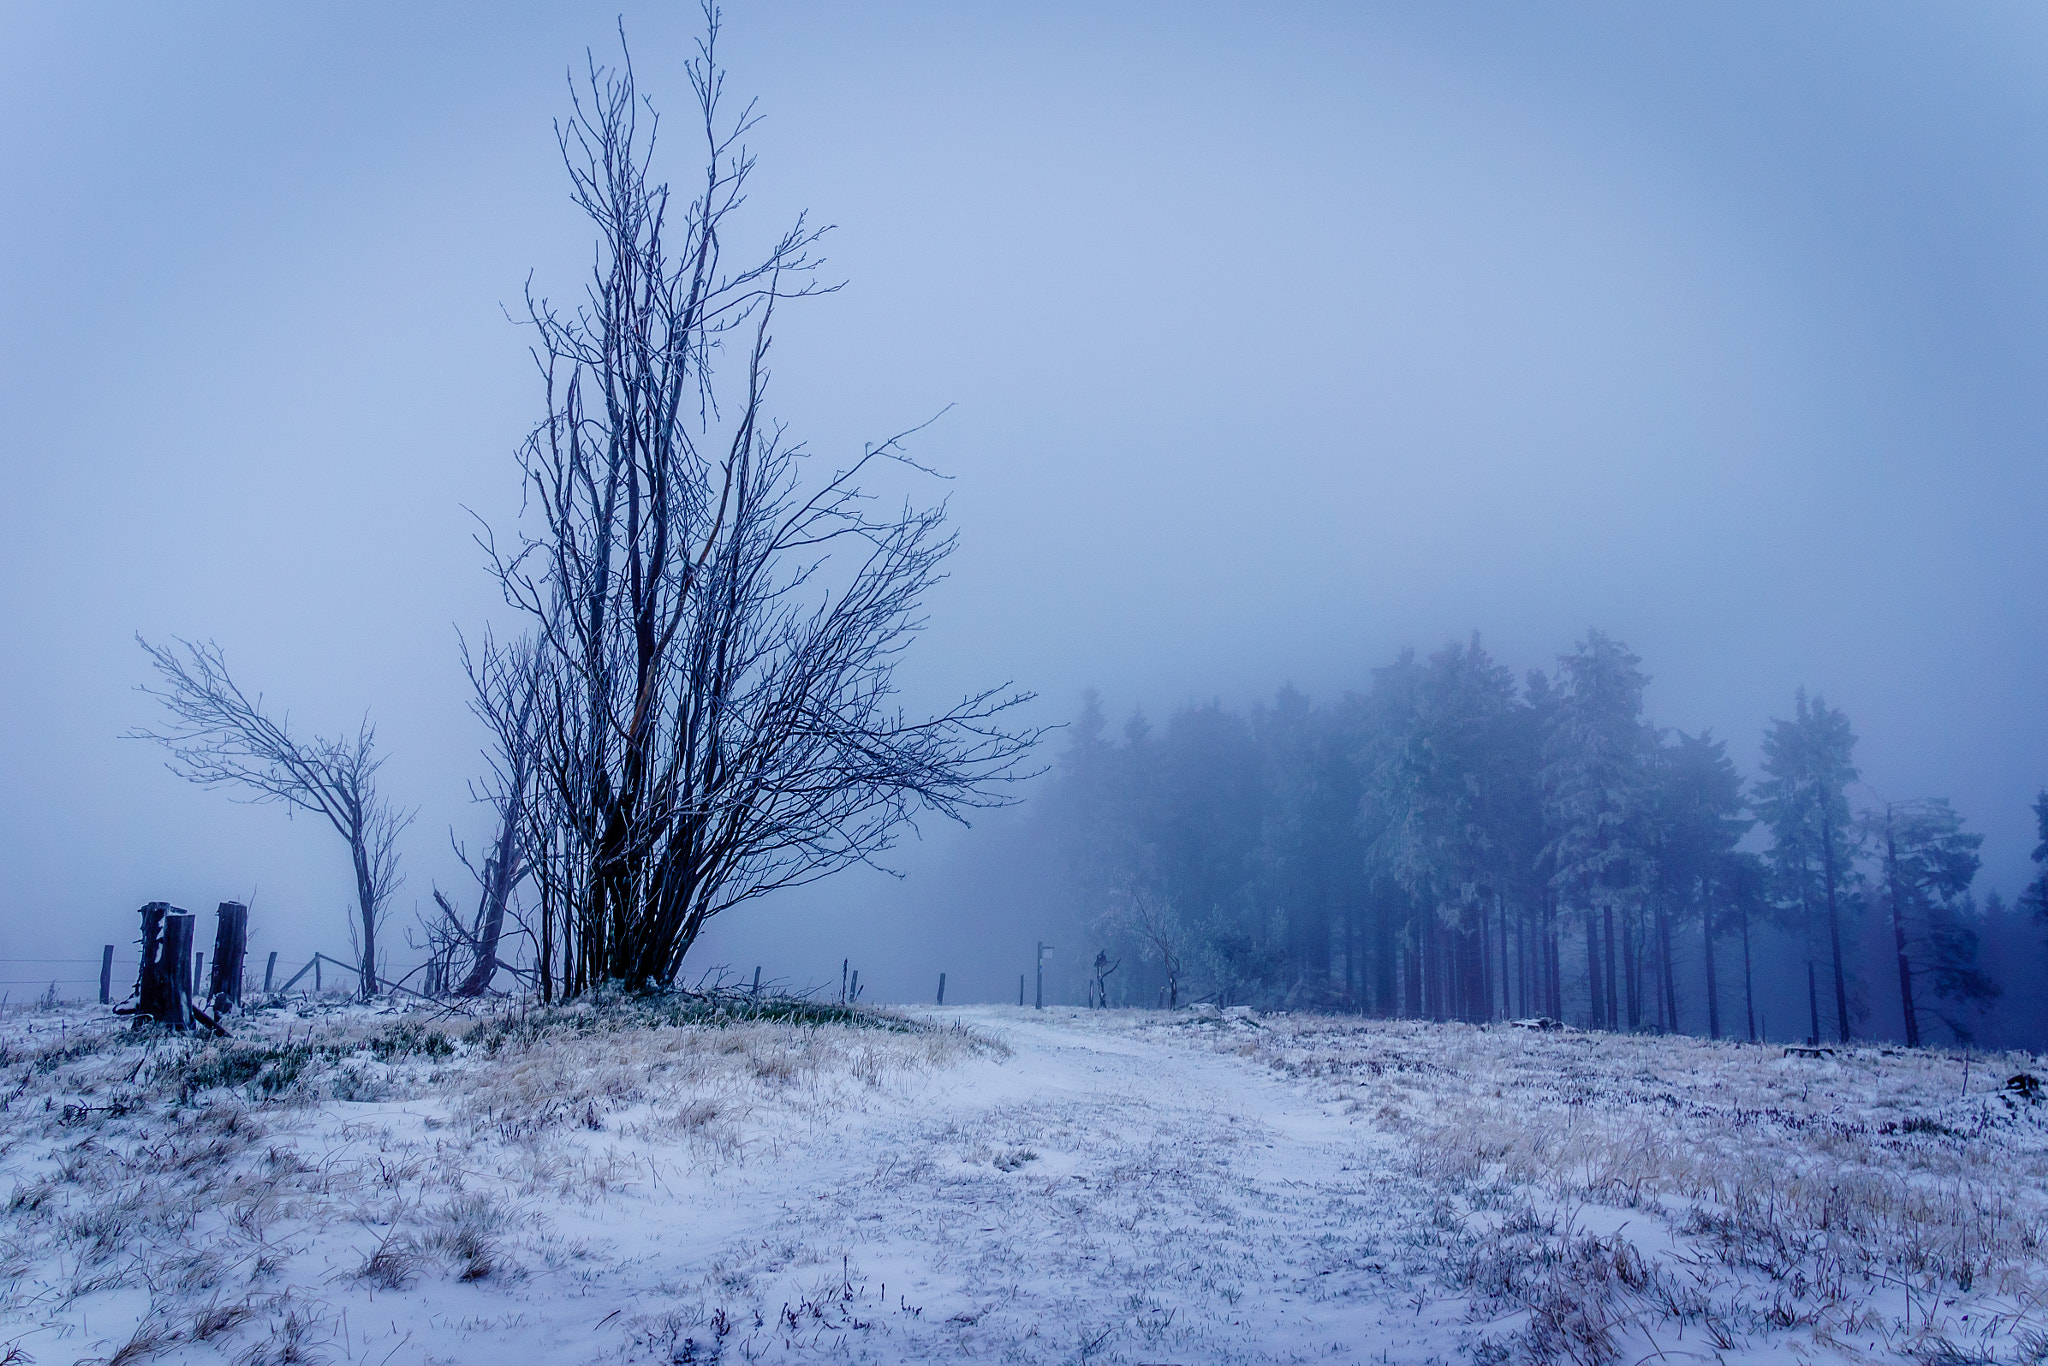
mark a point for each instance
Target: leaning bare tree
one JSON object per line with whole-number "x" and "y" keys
{"x": 221, "y": 737}
{"x": 505, "y": 683}
{"x": 717, "y": 621}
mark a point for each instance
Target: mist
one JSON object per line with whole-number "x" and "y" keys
{"x": 1260, "y": 347}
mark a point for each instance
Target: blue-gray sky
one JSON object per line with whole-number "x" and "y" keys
{"x": 1277, "y": 337}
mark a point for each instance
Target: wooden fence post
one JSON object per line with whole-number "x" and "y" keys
{"x": 230, "y": 948}
{"x": 942, "y": 988}
{"x": 757, "y": 979}
{"x": 149, "y": 988}
{"x": 269, "y": 971}
{"x": 175, "y": 966}
{"x": 107, "y": 975}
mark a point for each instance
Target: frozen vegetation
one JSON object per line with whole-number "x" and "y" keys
{"x": 680, "y": 1181}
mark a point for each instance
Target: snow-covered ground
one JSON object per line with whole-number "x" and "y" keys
{"x": 1005, "y": 1185}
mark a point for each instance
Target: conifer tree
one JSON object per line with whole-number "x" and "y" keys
{"x": 1929, "y": 861}
{"x": 1804, "y": 799}
{"x": 1442, "y": 788}
{"x": 1597, "y": 795}
{"x": 2035, "y": 897}
{"x": 1700, "y": 822}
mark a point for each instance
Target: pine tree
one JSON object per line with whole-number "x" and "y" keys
{"x": 1929, "y": 862}
{"x": 1598, "y": 799}
{"x": 1804, "y": 799}
{"x": 1441, "y": 791}
{"x": 1700, "y": 821}
{"x": 2035, "y": 898}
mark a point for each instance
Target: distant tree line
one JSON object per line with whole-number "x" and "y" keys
{"x": 1454, "y": 843}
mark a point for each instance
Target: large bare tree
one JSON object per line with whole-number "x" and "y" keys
{"x": 219, "y": 736}
{"x": 717, "y": 615}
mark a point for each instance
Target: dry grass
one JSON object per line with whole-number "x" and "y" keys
{"x": 1617, "y": 1186}
{"x": 196, "y": 1171}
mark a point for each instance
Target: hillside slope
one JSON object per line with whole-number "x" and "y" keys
{"x": 990, "y": 1183}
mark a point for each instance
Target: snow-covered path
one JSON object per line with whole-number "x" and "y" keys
{"x": 1100, "y": 1194}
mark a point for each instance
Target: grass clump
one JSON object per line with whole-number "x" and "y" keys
{"x": 410, "y": 1039}
{"x": 612, "y": 1012}
{"x": 261, "y": 1071}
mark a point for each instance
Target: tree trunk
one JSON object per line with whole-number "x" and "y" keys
{"x": 1748, "y": 980}
{"x": 1385, "y": 964}
{"x": 1608, "y": 983}
{"x": 1553, "y": 961}
{"x": 1430, "y": 987}
{"x": 1632, "y": 968}
{"x": 1507, "y": 997}
{"x": 1812, "y": 1004}
{"x": 1522, "y": 965}
{"x": 501, "y": 874}
{"x": 366, "y": 902}
{"x": 1595, "y": 1002}
{"x": 1835, "y": 939}
{"x": 1713, "y": 991}
{"x": 1664, "y": 957}
{"x": 1891, "y": 877}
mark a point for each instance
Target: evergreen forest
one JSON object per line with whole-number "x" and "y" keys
{"x": 1453, "y": 842}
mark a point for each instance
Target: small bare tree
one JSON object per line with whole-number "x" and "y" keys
{"x": 221, "y": 737}
{"x": 1149, "y": 917}
{"x": 1098, "y": 984}
{"x": 716, "y": 625}
{"x": 505, "y": 680}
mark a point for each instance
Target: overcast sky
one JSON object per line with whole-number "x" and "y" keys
{"x": 1277, "y": 338}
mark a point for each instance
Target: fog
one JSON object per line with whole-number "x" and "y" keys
{"x": 1267, "y": 344}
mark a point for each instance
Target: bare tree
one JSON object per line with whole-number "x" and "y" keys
{"x": 1098, "y": 985}
{"x": 716, "y": 624}
{"x": 505, "y": 680}
{"x": 220, "y": 737}
{"x": 1150, "y": 917}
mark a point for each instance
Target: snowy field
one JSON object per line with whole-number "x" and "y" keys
{"x": 994, "y": 1184}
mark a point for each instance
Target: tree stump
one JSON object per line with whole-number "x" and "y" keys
{"x": 163, "y": 991}
{"x": 230, "y": 953}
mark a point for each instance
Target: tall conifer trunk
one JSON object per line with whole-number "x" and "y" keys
{"x": 1835, "y": 939}
{"x": 1609, "y": 983}
{"x": 1631, "y": 970}
{"x": 1595, "y": 1001}
{"x": 1713, "y": 991}
{"x": 1891, "y": 877}
{"x": 1748, "y": 980}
